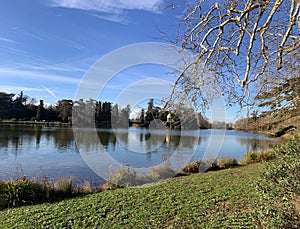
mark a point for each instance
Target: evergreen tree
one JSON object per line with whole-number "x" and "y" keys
{"x": 285, "y": 94}
{"x": 98, "y": 112}
{"x": 64, "y": 109}
{"x": 149, "y": 114}
{"x": 142, "y": 116}
{"x": 40, "y": 111}
{"x": 6, "y": 105}
{"x": 19, "y": 106}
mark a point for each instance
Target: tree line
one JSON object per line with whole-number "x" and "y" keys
{"x": 22, "y": 107}
{"x": 182, "y": 117}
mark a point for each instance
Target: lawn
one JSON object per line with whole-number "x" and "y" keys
{"x": 218, "y": 199}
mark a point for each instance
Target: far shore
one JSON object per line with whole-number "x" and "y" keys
{"x": 33, "y": 123}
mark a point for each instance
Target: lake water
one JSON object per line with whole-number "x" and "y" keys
{"x": 33, "y": 151}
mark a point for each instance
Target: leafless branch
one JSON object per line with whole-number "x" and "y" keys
{"x": 244, "y": 40}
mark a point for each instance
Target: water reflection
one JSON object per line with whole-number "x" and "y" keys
{"x": 19, "y": 138}
{"x": 54, "y": 149}
{"x": 256, "y": 144}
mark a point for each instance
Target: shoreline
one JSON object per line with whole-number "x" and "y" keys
{"x": 34, "y": 123}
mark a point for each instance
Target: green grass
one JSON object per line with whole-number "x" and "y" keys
{"x": 218, "y": 199}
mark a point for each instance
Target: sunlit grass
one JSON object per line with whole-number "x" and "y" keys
{"x": 199, "y": 201}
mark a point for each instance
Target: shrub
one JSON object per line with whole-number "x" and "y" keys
{"x": 278, "y": 187}
{"x": 63, "y": 187}
{"x": 108, "y": 185}
{"x": 283, "y": 131}
{"x": 22, "y": 191}
{"x": 162, "y": 172}
{"x": 86, "y": 188}
{"x": 123, "y": 177}
{"x": 3, "y": 190}
{"x": 254, "y": 157}
{"x": 210, "y": 165}
{"x": 227, "y": 162}
{"x": 192, "y": 167}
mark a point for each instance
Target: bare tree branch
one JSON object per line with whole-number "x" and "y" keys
{"x": 238, "y": 42}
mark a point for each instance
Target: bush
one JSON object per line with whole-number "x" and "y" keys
{"x": 123, "y": 177}
{"x": 22, "y": 191}
{"x": 283, "y": 131}
{"x": 255, "y": 157}
{"x": 3, "y": 200}
{"x": 86, "y": 188}
{"x": 227, "y": 162}
{"x": 162, "y": 172}
{"x": 192, "y": 167}
{"x": 210, "y": 165}
{"x": 108, "y": 185}
{"x": 279, "y": 187}
{"x": 19, "y": 192}
{"x": 63, "y": 187}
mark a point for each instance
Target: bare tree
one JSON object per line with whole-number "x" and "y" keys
{"x": 238, "y": 45}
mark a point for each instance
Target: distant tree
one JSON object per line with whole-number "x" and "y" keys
{"x": 90, "y": 110}
{"x": 242, "y": 124}
{"x": 98, "y": 111}
{"x": 6, "y": 105}
{"x": 156, "y": 112}
{"x": 78, "y": 114}
{"x": 163, "y": 115}
{"x": 142, "y": 116}
{"x": 51, "y": 114}
{"x": 19, "y": 106}
{"x": 64, "y": 109}
{"x": 40, "y": 111}
{"x": 124, "y": 117}
{"x": 31, "y": 109}
{"x": 106, "y": 112}
{"x": 115, "y": 114}
{"x": 203, "y": 123}
{"x": 149, "y": 114}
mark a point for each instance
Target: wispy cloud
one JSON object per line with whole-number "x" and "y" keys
{"x": 48, "y": 67}
{"x": 7, "y": 40}
{"x": 50, "y": 92}
{"x": 23, "y": 74}
{"x": 13, "y": 89}
{"x": 110, "y": 6}
{"x": 119, "y": 18}
{"x": 35, "y": 36}
{"x": 112, "y": 9}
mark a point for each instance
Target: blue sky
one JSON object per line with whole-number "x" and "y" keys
{"x": 47, "y": 46}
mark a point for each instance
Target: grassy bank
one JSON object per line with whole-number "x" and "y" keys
{"x": 223, "y": 199}
{"x": 259, "y": 195}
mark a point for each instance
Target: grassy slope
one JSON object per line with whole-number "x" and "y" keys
{"x": 212, "y": 200}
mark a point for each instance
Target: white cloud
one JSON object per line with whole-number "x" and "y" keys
{"x": 7, "y": 40}
{"x": 112, "y": 9}
{"x": 48, "y": 67}
{"x": 110, "y": 6}
{"x": 14, "y": 89}
{"x": 23, "y": 74}
{"x": 119, "y": 18}
{"x": 50, "y": 92}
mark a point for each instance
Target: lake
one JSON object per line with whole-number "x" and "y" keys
{"x": 34, "y": 151}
